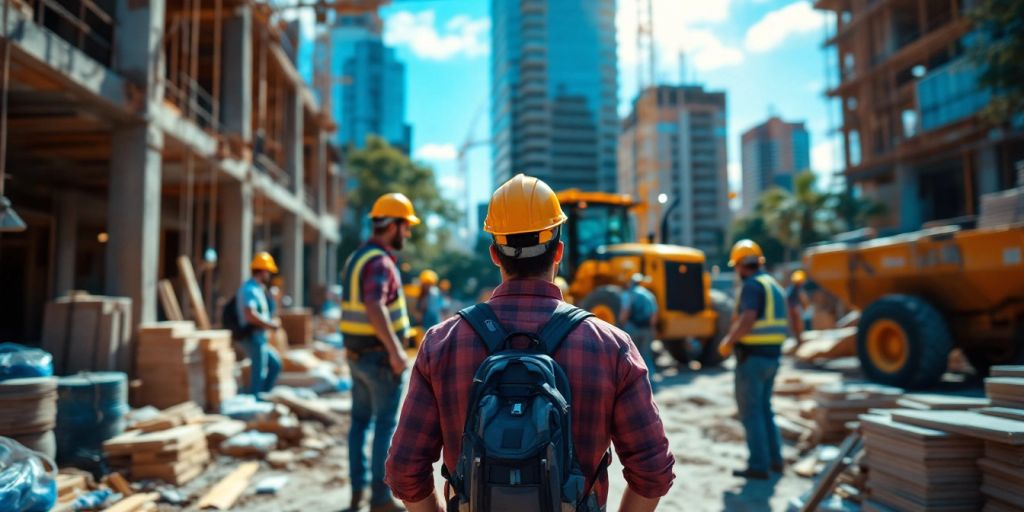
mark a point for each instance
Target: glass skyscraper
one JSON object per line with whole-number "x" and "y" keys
{"x": 367, "y": 84}
{"x": 555, "y": 91}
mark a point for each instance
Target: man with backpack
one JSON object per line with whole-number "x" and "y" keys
{"x": 639, "y": 316}
{"x": 253, "y": 315}
{"x": 524, "y": 392}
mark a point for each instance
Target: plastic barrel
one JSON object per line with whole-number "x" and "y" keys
{"x": 90, "y": 410}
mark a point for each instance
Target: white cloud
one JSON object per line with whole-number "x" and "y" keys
{"x": 678, "y": 29}
{"x": 461, "y": 36}
{"x": 824, "y": 158}
{"x": 437, "y": 152}
{"x": 775, "y": 27}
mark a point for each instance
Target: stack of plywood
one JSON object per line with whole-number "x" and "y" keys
{"x": 170, "y": 365}
{"x": 1005, "y": 391}
{"x": 937, "y": 402}
{"x": 175, "y": 456}
{"x": 298, "y": 325}
{"x": 219, "y": 363}
{"x": 1002, "y": 208}
{"x": 187, "y": 413}
{"x": 838, "y": 404}
{"x": 1002, "y": 468}
{"x": 88, "y": 333}
{"x": 917, "y": 468}
{"x": 28, "y": 412}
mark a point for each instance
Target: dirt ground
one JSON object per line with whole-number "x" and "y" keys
{"x": 697, "y": 408}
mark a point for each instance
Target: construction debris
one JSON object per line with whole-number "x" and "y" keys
{"x": 223, "y": 495}
{"x": 186, "y": 413}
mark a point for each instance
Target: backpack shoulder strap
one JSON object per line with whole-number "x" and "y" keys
{"x": 486, "y": 325}
{"x": 565, "y": 318}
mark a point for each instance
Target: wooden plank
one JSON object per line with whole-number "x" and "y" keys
{"x": 935, "y": 402}
{"x": 195, "y": 295}
{"x": 169, "y": 301}
{"x": 1003, "y": 412}
{"x": 823, "y": 487}
{"x": 967, "y": 423}
{"x": 119, "y": 484}
{"x": 223, "y": 495}
{"x": 131, "y": 503}
{"x": 1007, "y": 371}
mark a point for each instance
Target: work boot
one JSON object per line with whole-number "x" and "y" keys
{"x": 750, "y": 474}
{"x": 357, "y": 501}
{"x": 388, "y": 506}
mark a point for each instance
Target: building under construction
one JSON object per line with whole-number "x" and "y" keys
{"x": 909, "y": 94}
{"x": 141, "y": 131}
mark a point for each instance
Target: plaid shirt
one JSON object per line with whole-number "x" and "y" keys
{"x": 381, "y": 278}
{"x": 612, "y": 399}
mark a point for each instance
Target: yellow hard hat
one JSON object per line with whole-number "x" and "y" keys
{"x": 522, "y": 205}
{"x": 394, "y": 206}
{"x": 745, "y": 249}
{"x": 428, "y": 277}
{"x": 798, "y": 277}
{"x": 263, "y": 261}
{"x": 445, "y": 285}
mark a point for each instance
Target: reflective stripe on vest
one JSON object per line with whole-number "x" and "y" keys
{"x": 771, "y": 327}
{"x": 354, "y": 320}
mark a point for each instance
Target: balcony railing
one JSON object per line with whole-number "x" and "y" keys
{"x": 80, "y": 22}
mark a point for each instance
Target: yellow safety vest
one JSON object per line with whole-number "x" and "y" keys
{"x": 354, "y": 320}
{"x": 771, "y": 327}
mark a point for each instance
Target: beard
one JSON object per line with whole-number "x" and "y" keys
{"x": 398, "y": 241}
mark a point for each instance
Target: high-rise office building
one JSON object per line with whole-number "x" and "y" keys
{"x": 366, "y": 83}
{"x": 773, "y": 152}
{"x": 555, "y": 92}
{"x": 910, "y": 95}
{"x": 673, "y": 149}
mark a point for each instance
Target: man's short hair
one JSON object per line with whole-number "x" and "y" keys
{"x": 523, "y": 268}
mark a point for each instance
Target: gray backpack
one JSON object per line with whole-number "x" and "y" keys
{"x": 517, "y": 448}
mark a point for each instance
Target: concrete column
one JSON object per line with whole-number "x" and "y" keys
{"x": 332, "y": 264}
{"x": 293, "y": 142}
{"x": 986, "y": 170}
{"x": 910, "y": 200}
{"x": 133, "y": 223}
{"x": 236, "y": 90}
{"x": 318, "y": 259}
{"x": 138, "y": 48}
{"x": 292, "y": 259}
{"x": 322, "y": 177}
{"x": 66, "y": 235}
{"x": 236, "y": 236}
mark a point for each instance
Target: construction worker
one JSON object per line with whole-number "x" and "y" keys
{"x": 795, "y": 304}
{"x": 757, "y": 334}
{"x": 611, "y": 396}
{"x": 375, "y": 323}
{"x": 638, "y": 315}
{"x": 255, "y": 314}
{"x": 430, "y": 304}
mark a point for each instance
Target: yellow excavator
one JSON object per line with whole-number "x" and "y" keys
{"x": 602, "y": 254}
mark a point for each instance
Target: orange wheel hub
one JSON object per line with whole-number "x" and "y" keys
{"x": 888, "y": 345}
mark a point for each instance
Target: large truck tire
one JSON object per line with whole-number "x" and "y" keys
{"x": 903, "y": 341}
{"x": 604, "y": 302}
{"x": 724, "y": 307}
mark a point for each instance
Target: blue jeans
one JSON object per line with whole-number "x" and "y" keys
{"x": 266, "y": 365}
{"x": 376, "y": 396}
{"x": 755, "y": 377}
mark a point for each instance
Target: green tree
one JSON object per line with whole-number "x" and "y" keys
{"x": 998, "y": 50}
{"x": 378, "y": 169}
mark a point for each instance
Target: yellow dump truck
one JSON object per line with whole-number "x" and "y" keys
{"x": 924, "y": 293}
{"x": 602, "y": 255}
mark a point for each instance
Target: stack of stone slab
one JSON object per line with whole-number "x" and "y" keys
{"x": 28, "y": 412}
{"x": 169, "y": 362}
{"x": 840, "y": 403}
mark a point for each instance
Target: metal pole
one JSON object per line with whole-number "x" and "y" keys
{"x": 664, "y": 220}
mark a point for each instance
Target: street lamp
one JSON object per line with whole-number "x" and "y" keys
{"x": 662, "y": 199}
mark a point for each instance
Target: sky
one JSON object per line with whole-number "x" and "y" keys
{"x": 767, "y": 55}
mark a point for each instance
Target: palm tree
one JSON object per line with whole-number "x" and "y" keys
{"x": 801, "y": 217}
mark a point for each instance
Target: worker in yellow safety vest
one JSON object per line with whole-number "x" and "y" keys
{"x": 375, "y": 324}
{"x": 757, "y": 334}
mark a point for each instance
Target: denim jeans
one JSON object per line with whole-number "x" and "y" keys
{"x": 376, "y": 397}
{"x": 266, "y": 365}
{"x": 755, "y": 377}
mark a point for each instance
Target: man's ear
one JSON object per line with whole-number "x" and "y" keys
{"x": 559, "y": 252}
{"x": 494, "y": 256}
